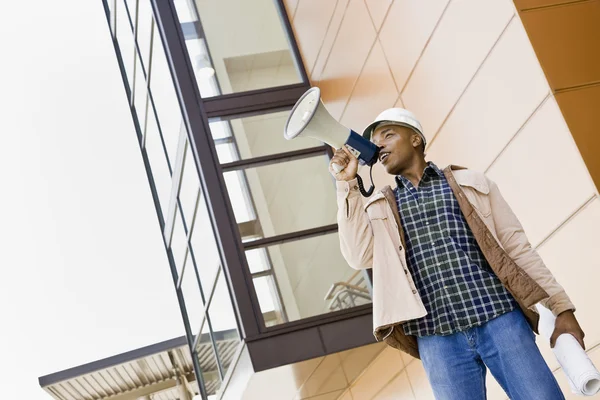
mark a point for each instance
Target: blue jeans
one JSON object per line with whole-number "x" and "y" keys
{"x": 456, "y": 364}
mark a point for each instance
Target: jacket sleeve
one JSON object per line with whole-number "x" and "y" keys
{"x": 512, "y": 237}
{"x": 356, "y": 236}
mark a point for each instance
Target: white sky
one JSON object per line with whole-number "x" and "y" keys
{"x": 83, "y": 272}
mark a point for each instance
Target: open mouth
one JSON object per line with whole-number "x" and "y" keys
{"x": 383, "y": 156}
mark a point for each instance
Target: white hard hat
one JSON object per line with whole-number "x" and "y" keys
{"x": 395, "y": 116}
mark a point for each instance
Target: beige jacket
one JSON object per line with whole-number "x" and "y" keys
{"x": 371, "y": 236}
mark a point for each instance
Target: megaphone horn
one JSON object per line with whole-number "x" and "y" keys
{"x": 310, "y": 118}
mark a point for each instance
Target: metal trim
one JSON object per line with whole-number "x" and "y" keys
{"x": 291, "y": 237}
{"x": 122, "y": 358}
{"x": 211, "y": 177}
{"x": 292, "y": 41}
{"x": 274, "y": 158}
{"x": 254, "y": 102}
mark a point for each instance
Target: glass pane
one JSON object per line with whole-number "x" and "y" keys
{"x": 125, "y": 40}
{"x": 203, "y": 68}
{"x": 312, "y": 278}
{"x": 239, "y": 195}
{"x": 257, "y": 136}
{"x": 190, "y": 184}
{"x": 258, "y": 260}
{"x": 204, "y": 247}
{"x": 185, "y": 11}
{"x": 165, "y": 98}
{"x": 190, "y": 288}
{"x": 178, "y": 242}
{"x": 224, "y": 324}
{"x": 269, "y": 300}
{"x": 144, "y": 30}
{"x": 226, "y": 151}
{"x": 288, "y": 196}
{"x": 140, "y": 93}
{"x": 158, "y": 163}
{"x": 208, "y": 362}
{"x": 251, "y": 50}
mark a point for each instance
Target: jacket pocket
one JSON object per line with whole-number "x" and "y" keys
{"x": 376, "y": 211}
{"x": 479, "y": 201}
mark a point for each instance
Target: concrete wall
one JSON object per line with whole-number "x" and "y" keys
{"x": 468, "y": 70}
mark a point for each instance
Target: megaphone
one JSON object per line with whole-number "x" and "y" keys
{"x": 310, "y": 118}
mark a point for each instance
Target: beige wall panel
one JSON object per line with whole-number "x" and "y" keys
{"x": 566, "y": 40}
{"x": 283, "y": 382}
{"x": 398, "y": 389}
{"x": 378, "y": 9}
{"x": 406, "y": 358}
{"x": 572, "y": 256}
{"x": 419, "y": 382}
{"x": 353, "y": 362}
{"x": 529, "y": 4}
{"x": 327, "y": 396}
{"x": 507, "y": 89}
{"x": 580, "y": 108}
{"x": 328, "y": 41}
{"x": 346, "y": 396}
{"x": 310, "y": 26}
{"x": 541, "y": 173}
{"x": 465, "y": 35}
{"x": 378, "y": 374}
{"x": 374, "y": 92}
{"x": 350, "y": 51}
{"x": 328, "y": 377}
{"x": 406, "y": 30}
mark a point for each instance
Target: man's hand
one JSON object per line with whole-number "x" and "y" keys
{"x": 567, "y": 323}
{"x": 346, "y": 160}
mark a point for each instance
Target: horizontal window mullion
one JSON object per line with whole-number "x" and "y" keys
{"x": 253, "y": 102}
{"x": 291, "y": 237}
{"x": 274, "y": 158}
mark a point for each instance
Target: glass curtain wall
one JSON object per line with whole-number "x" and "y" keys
{"x": 280, "y": 193}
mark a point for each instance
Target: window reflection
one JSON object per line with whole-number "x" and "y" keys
{"x": 288, "y": 196}
{"x": 190, "y": 185}
{"x": 256, "y": 136}
{"x": 312, "y": 278}
{"x": 204, "y": 352}
{"x": 224, "y": 324}
{"x": 247, "y": 53}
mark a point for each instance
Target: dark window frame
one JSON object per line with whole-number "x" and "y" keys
{"x": 196, "y": 113}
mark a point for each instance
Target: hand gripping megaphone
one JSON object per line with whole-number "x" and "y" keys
{"x": 310, "y": 118}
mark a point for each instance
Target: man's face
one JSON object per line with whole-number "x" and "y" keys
{"x": 398, "y": 145}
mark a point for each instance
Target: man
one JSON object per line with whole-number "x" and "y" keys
{"x": 455, "y": 280}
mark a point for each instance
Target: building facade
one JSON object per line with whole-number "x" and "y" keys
{"x": 248, "y": 218}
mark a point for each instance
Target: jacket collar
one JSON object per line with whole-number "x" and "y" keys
{"x": 462, "y": 175}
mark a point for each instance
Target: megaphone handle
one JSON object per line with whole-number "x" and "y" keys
{"x": 337, "y": 168}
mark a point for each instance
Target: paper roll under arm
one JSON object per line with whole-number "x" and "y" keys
{"x": 583, "y": 376}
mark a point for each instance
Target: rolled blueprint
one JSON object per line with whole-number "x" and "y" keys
{"x": 583, "y": 376}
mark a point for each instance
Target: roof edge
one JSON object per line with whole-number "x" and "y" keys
{"x": 128, "y": 356}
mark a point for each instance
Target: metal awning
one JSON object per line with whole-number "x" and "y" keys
{"x": 150, "y": 372}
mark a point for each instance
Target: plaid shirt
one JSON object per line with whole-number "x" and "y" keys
{"x": 455, "y": 282}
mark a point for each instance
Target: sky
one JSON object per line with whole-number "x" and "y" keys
{"x": 83, "y": 271}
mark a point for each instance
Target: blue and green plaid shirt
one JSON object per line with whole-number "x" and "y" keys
{"x": 453, "y": 278}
